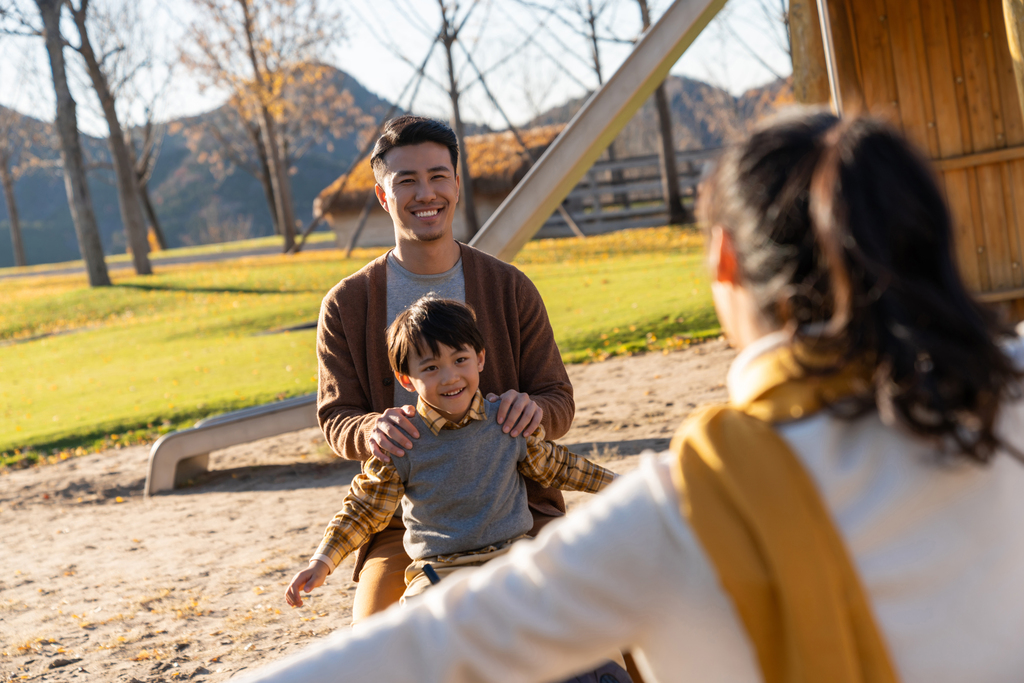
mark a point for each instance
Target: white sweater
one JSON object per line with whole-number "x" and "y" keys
{"x": 939, "y": 547}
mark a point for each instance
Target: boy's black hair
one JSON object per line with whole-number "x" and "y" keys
{"x": 431, "y": 321}
{"x": 412, "y": 130}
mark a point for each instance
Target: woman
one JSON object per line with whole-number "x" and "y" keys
{"x": 852, "y": 515}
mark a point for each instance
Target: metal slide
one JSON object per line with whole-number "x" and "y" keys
{"x": 593, "y": 128}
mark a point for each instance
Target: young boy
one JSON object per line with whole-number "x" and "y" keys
{"x": 461, "y": 490}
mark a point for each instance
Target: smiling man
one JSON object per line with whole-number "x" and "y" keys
{"x": 360, "y": 408}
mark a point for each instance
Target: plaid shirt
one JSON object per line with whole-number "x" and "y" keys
{"x": 376, "y": 492}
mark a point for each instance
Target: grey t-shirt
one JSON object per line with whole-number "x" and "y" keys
{"x": 405, "y": 288}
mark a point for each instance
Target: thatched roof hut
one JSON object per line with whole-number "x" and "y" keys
{"x": 496, "y": 160}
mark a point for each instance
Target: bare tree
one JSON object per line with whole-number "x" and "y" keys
{"x": 320, "y": 108}
{"x": 254, "y": 49}
{"x": 14, "y": 141}
{"x": 143, "y": 163}
{"x": 667, "y": 149}
{"x": 79, "y": 198}
{"x": 588, "y": 14}
{"x": 450, "y": 28}
{"x": 100, "y": 70}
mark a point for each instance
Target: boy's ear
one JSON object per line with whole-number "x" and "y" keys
{"x": 405, "y": 381}
{"x": 480, "y": 360}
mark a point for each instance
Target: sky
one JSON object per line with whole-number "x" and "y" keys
{"x": 532, "y": 59}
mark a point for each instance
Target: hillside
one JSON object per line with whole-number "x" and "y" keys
{"x": 197, "y": 205}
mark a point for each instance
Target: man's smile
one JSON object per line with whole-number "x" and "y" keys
{"x": 426, "y": 213}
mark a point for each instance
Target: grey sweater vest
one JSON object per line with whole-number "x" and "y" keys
{"x": 463, "y": 490}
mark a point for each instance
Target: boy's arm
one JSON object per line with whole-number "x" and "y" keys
{"x": 549, "y": 464}
{"x": 372, "y": 500}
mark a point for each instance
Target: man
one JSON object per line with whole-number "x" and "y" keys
{"x": 361, "y": 411}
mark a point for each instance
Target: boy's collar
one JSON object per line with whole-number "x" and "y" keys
{"x": 436, "y": 421}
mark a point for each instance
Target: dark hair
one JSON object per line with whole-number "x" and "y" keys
{"x": 431, "y": 321}
{"x": 412, "y": 130}
{"x": 844, "y": 239}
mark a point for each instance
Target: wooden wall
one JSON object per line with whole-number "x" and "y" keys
{"x": 941, "y": 70}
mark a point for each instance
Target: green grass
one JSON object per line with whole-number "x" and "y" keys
{"x": 126, "y": 363}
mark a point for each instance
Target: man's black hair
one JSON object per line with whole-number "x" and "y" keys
{"x": 412, "y": 130}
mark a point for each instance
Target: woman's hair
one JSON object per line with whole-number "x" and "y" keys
{"x": 844, "y": 240}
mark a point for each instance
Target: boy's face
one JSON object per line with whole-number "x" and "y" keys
{"x": 447, "y": 380}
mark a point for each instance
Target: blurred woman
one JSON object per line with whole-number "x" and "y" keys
{"x": 851, "y": 515}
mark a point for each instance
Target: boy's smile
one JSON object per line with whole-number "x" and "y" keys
{"x": 447, "y": 380}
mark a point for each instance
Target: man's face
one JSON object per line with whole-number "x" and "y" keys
{"x": 447, "y": 380}
{"x": 420, "y": 190}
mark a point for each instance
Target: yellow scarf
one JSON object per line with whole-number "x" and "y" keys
{"x": 759, "y": 517}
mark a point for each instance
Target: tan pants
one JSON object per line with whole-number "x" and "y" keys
{"x": 416, "y": 581}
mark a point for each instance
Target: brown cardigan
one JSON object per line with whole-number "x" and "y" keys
{"x": 355, "y": 380}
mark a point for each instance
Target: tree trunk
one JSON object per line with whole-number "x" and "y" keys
{"x": 466, "y": 190}
{"x": 677, "y": 214}
{"x": 124, "y": 169}
{"x": 12, "y": 211}
{"x": 141, "y": 175}
{"x": 253, "y": 130}
{"x": 667, "y": 151}
{"x": 154, "y": 224}
{"x": 1013, "y": 15}
{"x": 79, "y": 199}
{"x": 279, "y": 180}
{"x": 810, "y": 74}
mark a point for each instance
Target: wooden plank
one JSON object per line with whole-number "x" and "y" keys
{"x": 956, "y": 54}
{"x": 904, "y": 28}
{"x": 1011, "y": 172}
{"x": 993, "y": 156}
{"x": 977, "y": 227}
{"x": 844, "y": 42}
{"x": 873, "y": 46}
{"x": 958, "y": 197}
{"x": 988, "y": 41}
{"x": 940, "y": 65}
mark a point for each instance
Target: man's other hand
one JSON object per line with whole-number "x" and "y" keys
{"x": 393, "y": 433}
{"x": 309, "y": 578}
{"x": 519, "y": 413}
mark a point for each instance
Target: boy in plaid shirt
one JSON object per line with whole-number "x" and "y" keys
{"x": 461, "y": 491}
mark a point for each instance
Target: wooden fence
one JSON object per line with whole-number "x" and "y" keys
{"x": 626, "y": 193}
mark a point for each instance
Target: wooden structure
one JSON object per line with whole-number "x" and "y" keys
{"x": 943, "y": 71}
{"x": 596, "y": 201}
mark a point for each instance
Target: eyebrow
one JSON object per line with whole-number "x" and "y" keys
{"x": 433, "y": 169}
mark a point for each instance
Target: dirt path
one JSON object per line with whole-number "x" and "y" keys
{"x": 98, "y": 584}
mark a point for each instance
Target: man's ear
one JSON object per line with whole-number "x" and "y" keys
{"x": 480, "y": 360}
{"x": 406, "y": 382}
{"x": 382, "y": 196}
{"x": 722, "y": 257}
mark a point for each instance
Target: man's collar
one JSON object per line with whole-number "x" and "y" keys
{"x": 436, "y": 421}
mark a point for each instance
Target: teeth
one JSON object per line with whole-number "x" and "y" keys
{"x": 453, "y": 393}
{"x": 425, "y": 214}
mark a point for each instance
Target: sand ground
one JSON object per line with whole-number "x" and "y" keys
{"x": 99, "y": 584}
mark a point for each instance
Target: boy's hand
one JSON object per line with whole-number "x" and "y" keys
{"x": 309, "y": 578}
{"x": 391, "y": 433}
{"x": 518, "y": 412}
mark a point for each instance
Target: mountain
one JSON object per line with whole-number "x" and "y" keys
{"x": 702, "y": 115}
{"x": 197, "y": 205}
{"x": 194, "y": 204}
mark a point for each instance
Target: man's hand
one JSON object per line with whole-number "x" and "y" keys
{"x": 309, "y": 578}
{"x": 519, "y": 413}
{"x": 393, "y": 433}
